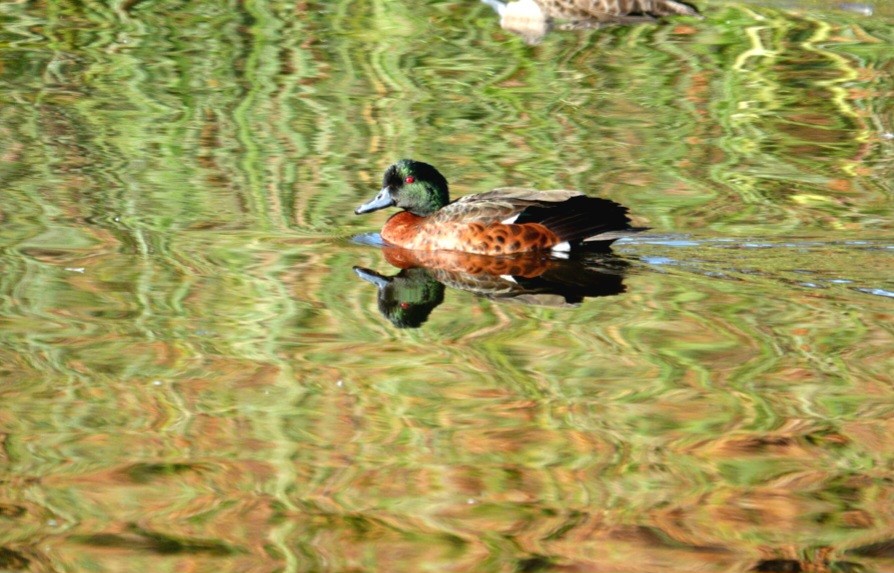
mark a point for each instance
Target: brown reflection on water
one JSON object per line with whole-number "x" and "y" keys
{"x": 408, "y": 297}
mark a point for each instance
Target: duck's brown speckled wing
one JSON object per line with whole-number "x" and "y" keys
{"x": 498, "y": 205}
{"x": 610, "y": 10}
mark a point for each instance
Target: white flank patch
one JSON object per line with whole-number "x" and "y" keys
{"x": 510, "y": 220}
{"x": 499, "y": 7}
{"x": 509, "y": 278}
{"x": 562, "y": 247}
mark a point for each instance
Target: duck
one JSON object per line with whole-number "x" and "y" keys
{"x": 532, "y": 19}
{"x": 504, "y": 221}
{"x": 595, "y": 10}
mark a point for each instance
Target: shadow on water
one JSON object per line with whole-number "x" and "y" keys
{"x": 408, "y": 297}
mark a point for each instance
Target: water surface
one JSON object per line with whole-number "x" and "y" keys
{"x": 193, "y": 376}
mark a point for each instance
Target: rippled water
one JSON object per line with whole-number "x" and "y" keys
{"x": 194, "y": 376}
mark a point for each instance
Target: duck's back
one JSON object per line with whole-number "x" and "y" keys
{"x": 512, "y": 220}
{"x": 612, "y": 9}
{"x": 500, "y": 205}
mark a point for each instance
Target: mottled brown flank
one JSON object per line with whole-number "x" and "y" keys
{"x": 607, "y": 9}
{"x": 412, "y": 232}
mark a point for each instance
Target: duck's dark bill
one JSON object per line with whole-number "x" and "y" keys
{"x": 372, "y": 276}
{"x": 382, "y": 200}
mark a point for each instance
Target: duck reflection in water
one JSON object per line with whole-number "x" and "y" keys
{"x": 408, "y": 297}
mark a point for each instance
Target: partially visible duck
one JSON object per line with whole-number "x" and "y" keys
{"x": 533, "y": 18}
{"x": 504, "y": 221}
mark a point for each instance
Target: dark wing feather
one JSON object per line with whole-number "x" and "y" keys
{"x": 578, "y": 218}
{"x": 499, "y": 205}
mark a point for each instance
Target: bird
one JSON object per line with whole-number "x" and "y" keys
{"x": 532, "y": 19}
{"x": 504, "y": 221}
{"x": 600, "y": 10}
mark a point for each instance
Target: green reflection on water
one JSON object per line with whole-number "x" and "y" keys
{"x": 193, "y": 376}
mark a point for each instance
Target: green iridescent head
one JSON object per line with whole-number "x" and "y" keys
{"x": 411, "y": 185}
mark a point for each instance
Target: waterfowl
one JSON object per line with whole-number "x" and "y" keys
{"x": 504, "y": 221}
{"x": 533, "y": 18}
{"x": 594, "y": 10}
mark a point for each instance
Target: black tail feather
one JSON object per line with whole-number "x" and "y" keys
{"x": 578, "y": 218}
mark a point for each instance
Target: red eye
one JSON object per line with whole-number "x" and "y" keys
{"x": 410, "y": 179}
{"x": 405, "y": 305}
